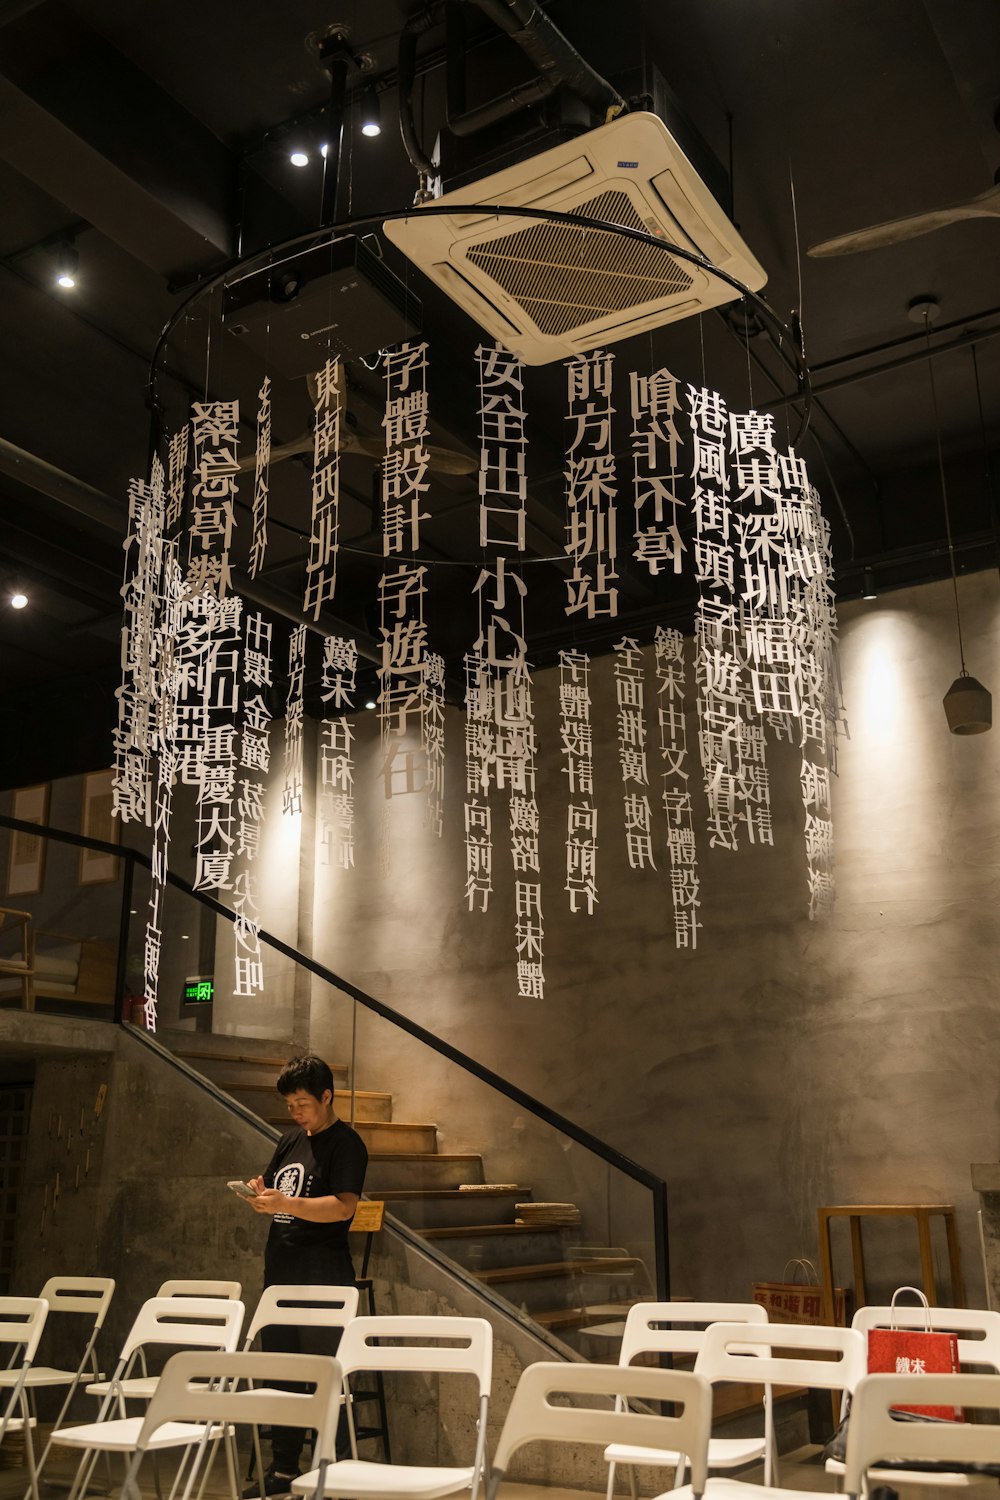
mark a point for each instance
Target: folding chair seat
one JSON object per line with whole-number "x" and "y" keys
{"x": 181, "y": 1322}
{"x": 198, "y": 1402}
{"x": 89, "y": 1297}
{"x": 470, "y": 1352}
{"x": 534, "y": 1417}
{"x": 875, "y": 1435}
{"x": 22, "y": 1320}
{"x": 188, "y": 1288}
{"x": 726, "y": 1355}
{"x": 645, "y": 1333}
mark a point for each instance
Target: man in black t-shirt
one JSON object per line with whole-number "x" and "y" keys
{"x": 310, "y": 1188}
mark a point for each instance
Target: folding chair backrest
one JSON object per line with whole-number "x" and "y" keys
{"x": 186, "y": 1322}
{"x": 329, "y": 1307}
{"x": 724, "y": 1355}
{"x": 90, "y": 1295}
{"x": 182, "y": 1288}
{"x": 22, "y": 1320}
{"x": 470, "y": 1352}
{"x": 874, "y": 1434}
{"x": 645, "y": 1333}
{"x": 984, "y": 1350}
{"x": 534, "y": 1418}
{"x": 193, "y": 1388}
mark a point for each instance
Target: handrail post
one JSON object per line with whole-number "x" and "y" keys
{"x": 661, "y": 1242}
{"x": 121, "y": 971}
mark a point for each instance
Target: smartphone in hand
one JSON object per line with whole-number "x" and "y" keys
{"x": 242, "y": 1188}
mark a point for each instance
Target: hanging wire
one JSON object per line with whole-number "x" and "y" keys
{"x": 944, "y": 489}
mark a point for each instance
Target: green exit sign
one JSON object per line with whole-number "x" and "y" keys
{"x": 199, "y": 991}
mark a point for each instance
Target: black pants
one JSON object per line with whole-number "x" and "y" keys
{"x": 309, "y": 1269}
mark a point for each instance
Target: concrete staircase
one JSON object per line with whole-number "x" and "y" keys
{"x": 539, "y": 1269}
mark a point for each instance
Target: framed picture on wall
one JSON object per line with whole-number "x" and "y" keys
{"x": 26, "y": 858}
{"x": 97, "y": 822}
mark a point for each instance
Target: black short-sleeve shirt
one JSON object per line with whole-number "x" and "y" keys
{"x": 331, "y": 1162}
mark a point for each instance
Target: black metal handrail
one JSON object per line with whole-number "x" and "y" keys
{"x": 551, "y": 1117}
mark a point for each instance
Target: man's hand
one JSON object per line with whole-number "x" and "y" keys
{"x": 268, "y": 1200}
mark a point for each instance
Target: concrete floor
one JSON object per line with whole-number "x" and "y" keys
{"x": 800, "y": 1470}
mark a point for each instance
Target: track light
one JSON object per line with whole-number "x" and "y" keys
{"x": 868, "y": 590}
{"x": 371, "y": 116}
{"x": 18, "y": 601}
{"x": 299, "y": 158}
{"x": 285, "y": 284}
{"x": 67, "y": 261}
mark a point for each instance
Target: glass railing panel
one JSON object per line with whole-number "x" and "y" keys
{"x": 60, "y": 923}
{"x": 565, "y": 1237}
{"x": 547, "y": 1219}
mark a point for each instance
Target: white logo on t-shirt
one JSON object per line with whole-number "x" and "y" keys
{"x": 289, "y": 1181}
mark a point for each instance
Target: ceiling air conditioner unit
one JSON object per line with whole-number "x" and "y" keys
{"x": 548, "y": 290}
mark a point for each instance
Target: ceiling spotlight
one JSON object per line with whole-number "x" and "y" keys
{"x": 285, "y": 284}
{"x": 371, "y": 703}
{"x": 18, "y": 601}
{"x": 868, "y": 590}
{"x": 67, "y": 261}
{"x": 299, "y": 159}
{"x": 371, "y": 117}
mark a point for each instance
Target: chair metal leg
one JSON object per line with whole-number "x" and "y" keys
{"x": 610, "y": 1492}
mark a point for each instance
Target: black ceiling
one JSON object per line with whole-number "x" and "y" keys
{"x": 153, "y": 136}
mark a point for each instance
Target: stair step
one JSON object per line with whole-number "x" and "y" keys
{"x": 399, "y": 1136}
{"x": 242, "y": 1065}
{"x": 261, "y": 1097}
{"x": 485, "y": 1247}
{"x": 555, "y": 1284}
{"x": 444, "y": 1208}
{"x": 388, "y": 1170}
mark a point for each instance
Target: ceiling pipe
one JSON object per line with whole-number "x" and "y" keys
{"x": 552, "y": 53}
{"x": 965, "y": 340}
{"x": 76, "y": 495}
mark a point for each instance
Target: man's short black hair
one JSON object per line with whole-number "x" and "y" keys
{"x": 309, "y": 1073}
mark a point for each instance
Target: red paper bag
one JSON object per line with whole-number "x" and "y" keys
{"x": 911, "y": 1351}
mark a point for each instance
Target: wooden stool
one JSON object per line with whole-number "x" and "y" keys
{"x": 368, "y": 1221}
{"x": 923, "y": 1213}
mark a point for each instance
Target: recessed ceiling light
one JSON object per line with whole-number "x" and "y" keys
{"x": 371, "y": 119}
{"x": 67, "y": 261}
{"x": 371, "y": 703}
{"x": 299, "y": 159}
{"x": 18, "y": 601}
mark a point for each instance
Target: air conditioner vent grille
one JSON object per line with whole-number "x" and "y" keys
{"x": 564, "y": 277}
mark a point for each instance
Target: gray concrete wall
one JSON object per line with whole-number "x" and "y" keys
{"x": 784, "y": 1065}
{"x": 152, "y": 1203}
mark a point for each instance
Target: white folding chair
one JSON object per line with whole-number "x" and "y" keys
{"x": 646, "y": 1333}
{"x": 184, "y": 1323}
{"x": 978, "y": 1331}
{"x": 22, "y": 1320}
{"x": 88, "y": 1297}
{"x": 299, "y": 1307}
{"x": 725, "y": 1355}
{"x": 198, "y": 1401}
{"x": 187, "y": 1288}
{"x": 534, "y": 1417}
{"x": 874, "y": 1434}
{"x": 470, "y": 1352}
{"x": 978, "y": 1344}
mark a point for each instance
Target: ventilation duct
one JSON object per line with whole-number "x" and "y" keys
{"x": 550, "y": 290}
